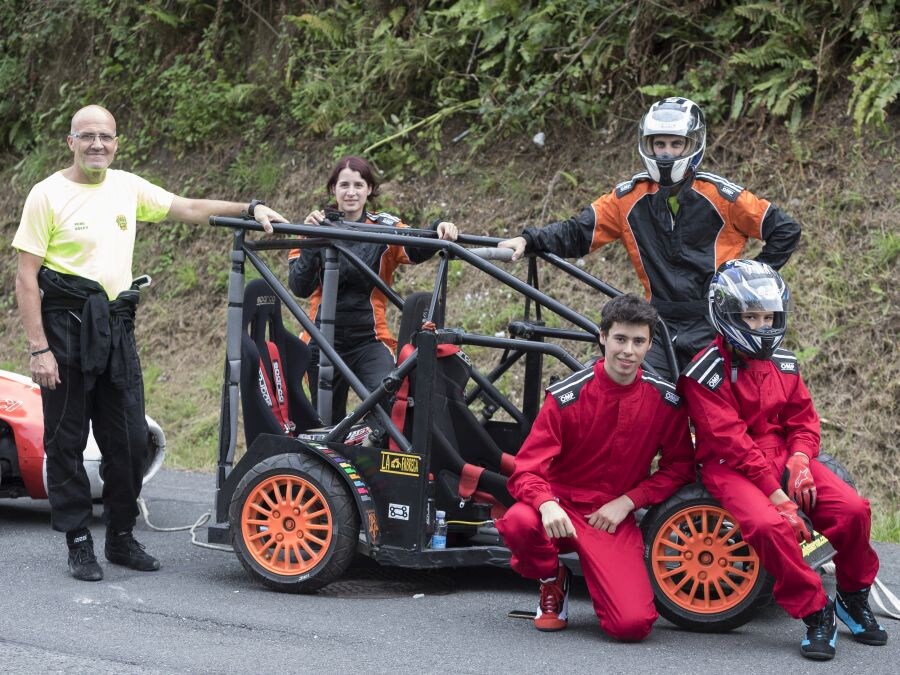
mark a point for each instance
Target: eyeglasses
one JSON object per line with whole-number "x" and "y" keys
{"x": 90, "y": 138}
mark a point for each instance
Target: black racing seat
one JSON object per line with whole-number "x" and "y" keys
{"x": 465, "y": 458}
{"x": 415, "y": 309}
{"x": 273, "y": 363}
{"x": 461, "y": 445}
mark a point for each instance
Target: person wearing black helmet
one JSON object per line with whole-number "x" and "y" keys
{"x": 757, "y": 435}
{"x": 678, "y": 224}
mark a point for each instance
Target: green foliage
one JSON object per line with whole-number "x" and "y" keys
{"x": 387, "y": 78}
{"x": 886, "y": 524}
{"x": 876, "y": 70}
{"x": 256, "y": 170}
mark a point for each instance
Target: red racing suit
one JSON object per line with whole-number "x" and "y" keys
{"x": 593, "y": 441}
{"x": 750, "y": 415}
{"x": 675, "y": 251}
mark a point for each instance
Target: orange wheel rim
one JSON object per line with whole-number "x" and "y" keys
{"x": 286, "y": 525}
{"x": 701, "y": 562}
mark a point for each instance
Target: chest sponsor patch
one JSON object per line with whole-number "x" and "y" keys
{"x": 787, "y": 366}
{"x": 122, "y": 222}
{"x": 714, "y": 381}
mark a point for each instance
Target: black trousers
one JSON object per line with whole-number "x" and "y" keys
{"x": 119, "y": 427}
{"x": 689, "y": 336}
{"x": 369, "y": 360}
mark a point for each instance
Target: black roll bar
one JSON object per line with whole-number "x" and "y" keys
{"x": 324, "y": 347}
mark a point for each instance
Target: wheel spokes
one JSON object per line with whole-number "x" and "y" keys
{"x": 700, "y": 561}
{"x": 286, "y": 524}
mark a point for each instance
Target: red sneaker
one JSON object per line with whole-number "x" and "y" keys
{"x": 553, "y": 610}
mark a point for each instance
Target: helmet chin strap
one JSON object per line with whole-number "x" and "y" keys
{"x": 665, "y": 174}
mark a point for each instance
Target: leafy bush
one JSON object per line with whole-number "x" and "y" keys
{"x": 387, "y": 77}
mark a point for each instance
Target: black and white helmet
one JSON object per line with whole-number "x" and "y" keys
{"x": 749, "y": 286}
{"x": 672, "y": 116}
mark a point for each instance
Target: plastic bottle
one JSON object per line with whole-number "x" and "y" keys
{"x": 439, "y": 538}
{"x": 429, "y": 505}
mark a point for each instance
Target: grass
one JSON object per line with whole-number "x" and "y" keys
{"x": 842, "y": 277}
{"x": 886, "y": 524}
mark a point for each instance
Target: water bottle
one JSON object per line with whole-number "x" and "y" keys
{"x": 429, "y": 506}
{"x": 439, "y": 538}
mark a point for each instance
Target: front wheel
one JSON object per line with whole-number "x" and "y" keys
{"x": 705, "y": 577}
{"x": 294, "y": 525}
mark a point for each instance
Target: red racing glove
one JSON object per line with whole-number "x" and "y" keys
{"x": 788, "y": 511}
{"x": 798, "y": 482}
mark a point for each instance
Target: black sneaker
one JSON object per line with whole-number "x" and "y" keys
{"x": 853, "y": 609}
{"x": 821, "y": 634}
{"x": 82, "y": 561}
{"x": 123, "y": 549}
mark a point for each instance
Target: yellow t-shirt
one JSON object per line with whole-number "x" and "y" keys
{"x": 88, "y": 230}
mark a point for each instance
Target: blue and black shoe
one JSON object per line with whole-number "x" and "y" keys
{"x": 821, "y": 634}
{"x": 853, "y": 609}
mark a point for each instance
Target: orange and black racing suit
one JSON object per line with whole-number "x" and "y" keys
{"x": 361, "y": 334}
{"x": 675, "y": 245}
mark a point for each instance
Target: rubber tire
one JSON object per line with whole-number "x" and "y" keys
{"x": 344, "y": 529}
{"x": 760, "y": 593}
{"x": 837, "y": 468}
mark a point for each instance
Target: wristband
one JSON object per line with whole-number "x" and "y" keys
{"x": 253, "y": 204}
{"x": 41, "y": 351}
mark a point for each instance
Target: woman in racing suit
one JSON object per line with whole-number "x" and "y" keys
{"x": 361, "y": 334}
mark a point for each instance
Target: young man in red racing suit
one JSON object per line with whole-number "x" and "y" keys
{"x": 585, "y": 467}
{"x": 677, "y": 225}
{"x": 756, "y": 427}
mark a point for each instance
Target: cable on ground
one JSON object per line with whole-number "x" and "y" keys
{"x": 145, "y": 513}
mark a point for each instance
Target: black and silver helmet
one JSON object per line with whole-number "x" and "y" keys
{"x": 749, "y": 286}
{"x": 672, "y": 116}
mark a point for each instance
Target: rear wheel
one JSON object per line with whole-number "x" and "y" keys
{"x": 294, "y": 524}
{"x": 705, "y": 577}
{"x": 837, "y": 468}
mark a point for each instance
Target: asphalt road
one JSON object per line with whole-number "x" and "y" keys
{"x": 202, "y": 614}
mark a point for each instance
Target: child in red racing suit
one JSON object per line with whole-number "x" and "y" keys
{"x": 585, "y": 467}
{"x": 756, "y": 427}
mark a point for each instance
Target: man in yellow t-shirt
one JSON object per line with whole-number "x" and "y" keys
{"x": 77, "y": 303}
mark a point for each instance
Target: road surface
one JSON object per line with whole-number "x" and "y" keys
{"x": 202, "y": 614}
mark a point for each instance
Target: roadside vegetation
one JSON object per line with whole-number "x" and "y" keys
{"x": 247, "y": 99}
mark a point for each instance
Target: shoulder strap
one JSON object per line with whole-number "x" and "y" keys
{"x": 383, "y": 218}
{"x": 786, "y": 362}
{"x": 278, "y": 402}
{"x": 566, "y": 392}
{"x": 728, "y": 190}
{"x": 708, "y": 369}
{"x": 665, "y": 388}
{"x": 627, "y": 186}
{"x": 401, "y": 399}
